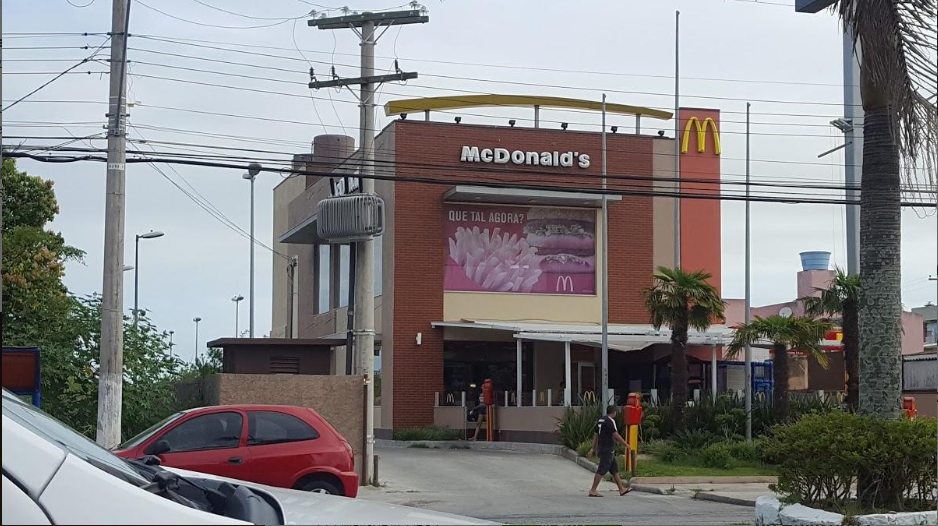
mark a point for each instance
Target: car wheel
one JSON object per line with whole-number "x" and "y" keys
{"x": 321, "y": 486}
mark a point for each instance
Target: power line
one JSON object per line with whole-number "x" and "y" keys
{"x": 189, "y": 42}
{"x": 496, "y": 66}
{"x": 57, "y": 77}
{"x": 397, "y": 179}
{"x": 217, "y": 26}
{"x": 430, "y": 135}
{"x": 643, "y": 182}
{"x": 205, "y": 204}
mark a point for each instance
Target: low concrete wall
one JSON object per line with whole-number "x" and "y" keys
{"x": 337, "y": 398}
{"x": 514, "y": 424}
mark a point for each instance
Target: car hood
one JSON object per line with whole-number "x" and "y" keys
{"x": 302, "y": 507}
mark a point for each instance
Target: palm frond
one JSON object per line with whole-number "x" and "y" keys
{"x": 796, "y": 332}
{"x": 897, "y": 53}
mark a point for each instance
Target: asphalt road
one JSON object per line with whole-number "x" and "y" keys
{"x": 520, "y": 488}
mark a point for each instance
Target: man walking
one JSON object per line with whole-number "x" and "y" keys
{"x": 604, "y": 443}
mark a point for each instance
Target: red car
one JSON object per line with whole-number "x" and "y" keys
{"x": 283, "y": 446}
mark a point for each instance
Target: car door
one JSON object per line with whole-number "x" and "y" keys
{"x": 281, "y": 445}
{"x": 208, "y": 443}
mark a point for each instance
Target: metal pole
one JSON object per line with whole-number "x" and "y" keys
{"x": 568, "y": 385}
{"x": 350, "y": 333}
{"x": 677, "y": 139}
{"x": 136, "y": 279}
{"x": 713, "y": 371}
{"x": 197, "y": 338}
{"x": 291, "y": 285}
{"x": 748, "y": 308}
{"x": 110, "y": 386}
{"x": 237, "y": 315}
{"x": 605, "y": 275}
{"x": 365, "y": 258}
{"x": 251, "y": 322}
{"x": 518, "y": 372}
{"x": 853, "y": 153}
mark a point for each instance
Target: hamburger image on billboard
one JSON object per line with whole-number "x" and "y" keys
{"x": 539, "y": 250}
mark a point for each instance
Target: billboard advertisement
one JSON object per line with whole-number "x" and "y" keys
{"x": 520, "y": 249}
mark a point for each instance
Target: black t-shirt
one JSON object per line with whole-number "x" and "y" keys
{"x": 605, "y": 428}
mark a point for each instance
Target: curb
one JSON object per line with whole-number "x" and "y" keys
{"x": 521, "y": 447}
{"x": 715, "y": 497}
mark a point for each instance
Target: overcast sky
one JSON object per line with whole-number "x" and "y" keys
{"x": 732, "y": 50}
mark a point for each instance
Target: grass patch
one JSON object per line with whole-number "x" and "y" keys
{"x": 695, "y": 467}
{"x": 692, "y": 467}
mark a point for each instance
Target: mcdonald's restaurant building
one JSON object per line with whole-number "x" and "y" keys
{"x": 490, "y": 265}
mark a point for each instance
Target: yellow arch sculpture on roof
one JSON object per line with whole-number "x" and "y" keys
{"x": 396, "y": 107}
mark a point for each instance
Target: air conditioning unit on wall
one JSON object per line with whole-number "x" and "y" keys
{"x": 350, "y": 218}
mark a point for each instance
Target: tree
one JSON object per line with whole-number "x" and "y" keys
{"x": 897, "y": 42}
{"x": 70, "y": 371}
{"x": 682, "y": 300}
{"x": 33, "y": 259}
{"x": 67, "y": 330}
{"x": 786, "y": 334}
{"x": 842, "y": 298}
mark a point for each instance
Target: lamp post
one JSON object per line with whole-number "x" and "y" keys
{"x": 237, "y": 301}
{"x": 171, "y": 344}
{"x": 149, "y": 235}
{"x": 251, "y": 175}
{"x": 197, "y": 320}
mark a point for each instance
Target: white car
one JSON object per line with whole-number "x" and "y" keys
{"x": 54, "y": 475}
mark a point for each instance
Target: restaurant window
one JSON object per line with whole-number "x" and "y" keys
{"x": 344, "y": 262}
{"x": 323, "y": 280}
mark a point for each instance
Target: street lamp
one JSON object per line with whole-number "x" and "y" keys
{"x": 237, "y": 301}
{"x": 149, "y": 235}
{"x": 171, "y": 344}
{"x": 251, "y": 175}
{"x": 197, "y": 320}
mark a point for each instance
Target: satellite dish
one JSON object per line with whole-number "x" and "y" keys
{"x": 785, "y": 312}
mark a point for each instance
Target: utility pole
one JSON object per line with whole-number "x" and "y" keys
{"x": 606, "y": 401}
{"x": 110, "y": 386}
{"x": 748, "y": 374}
{"x": 364, "y": 25}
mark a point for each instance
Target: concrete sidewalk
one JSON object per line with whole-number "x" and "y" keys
{"x": 727, "y": 492}
{"x": 741, "y": 491}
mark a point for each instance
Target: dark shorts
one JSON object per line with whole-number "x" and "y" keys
{"x": 607, "y": 463}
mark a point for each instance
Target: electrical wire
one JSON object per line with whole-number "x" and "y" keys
{"x": 398, "y": 179}
{"x": 60, "y": 75}
{"x": 217, "y": 26}
{"x": 637, "y": 182}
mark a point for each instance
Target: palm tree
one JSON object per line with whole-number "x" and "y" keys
{"x": 897, "y": 41}
{"x": 842, "y": 298}
{"x": 793, "y": 333}
{"x": 682, "y": 300}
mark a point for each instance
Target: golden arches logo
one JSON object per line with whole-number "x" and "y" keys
{"x": 701, "y": 135}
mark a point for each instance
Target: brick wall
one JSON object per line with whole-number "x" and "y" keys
{"x": 338, "y": 399}
{"x": 418, "y": 223}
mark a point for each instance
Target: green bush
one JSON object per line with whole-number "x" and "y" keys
{"x": 718, "y": 456}
{"x": 694, "y": 440}
{"x": 428, "y": 433}
{"x": 670, "y": 453}
{"x": 892, "y": 462}
{"x": 578, "y": 424}
{"x": 584, "y": 447}
{"x": 746, "y": 452}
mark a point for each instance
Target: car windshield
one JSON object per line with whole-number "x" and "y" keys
{"x": 142, "y": 437}
{"x": 67, "y": 439}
